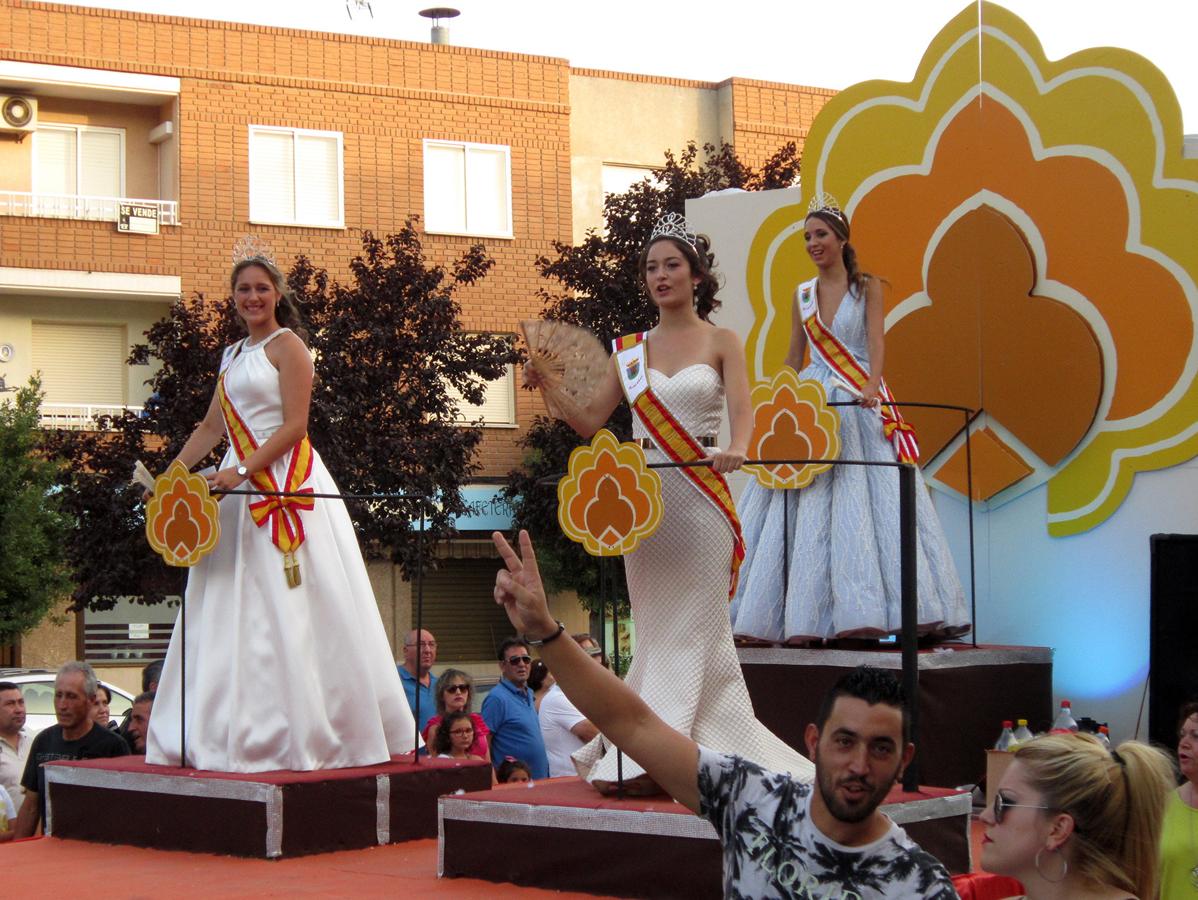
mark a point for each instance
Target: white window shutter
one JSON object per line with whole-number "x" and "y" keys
{"x": 498, "y": 406}
{"x": 100, "y": 163}
{"x": 54, "y": 161}
{"x": 445, "y": 188}
{"x": 81, "y": 364}
{"x": 318, "y": 183}
{"x": 487, "y": 194}
{"x": 272, "y": 176}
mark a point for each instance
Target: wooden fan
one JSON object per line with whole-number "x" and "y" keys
{"x": 569, "y": 361}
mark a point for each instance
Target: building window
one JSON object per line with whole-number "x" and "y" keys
{"x": 467, "y": 189}
{"x": 79, "y": 160}
{"x": 498, "y": 408}
{"x": 617, "y": 178}
{"x": 83, "y": 371}
{"x": 296, "y": 177}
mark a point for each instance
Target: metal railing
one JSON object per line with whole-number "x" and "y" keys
{"x": 80, "y": 206}
{"x": 79, "y": 416}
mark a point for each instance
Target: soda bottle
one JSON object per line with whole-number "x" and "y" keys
{"x": 1023, "y": 734}
{"x": 1104, "y": 735}
{"x": 1007, "y": 738}
{"x": 1064, "y": 722}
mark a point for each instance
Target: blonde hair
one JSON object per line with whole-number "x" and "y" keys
{"x": 1116, "y": 799}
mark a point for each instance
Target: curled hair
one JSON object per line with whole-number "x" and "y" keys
{"x": 443, "y": 743}
{"x": 286, "y": 312}
{"x": 90, "y": 682}
{"x": 1116, "y": 800}
{"x": 446, "y": 678}
{"x": 840, "y": 227}
{"x": 702, "y": 263}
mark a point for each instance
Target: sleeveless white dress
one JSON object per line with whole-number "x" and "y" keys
{"x": 684, "y": 665}
{"x": 279, "y": 678}
{"x": 843, "y": 542}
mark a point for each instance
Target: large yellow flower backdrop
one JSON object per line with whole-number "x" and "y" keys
{"x": 1035, "y": 221}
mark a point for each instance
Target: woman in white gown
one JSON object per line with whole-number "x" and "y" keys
{"x": 834, "y": 570}
{"x": 685, "y": 665}
{"x": 278, "y": 677}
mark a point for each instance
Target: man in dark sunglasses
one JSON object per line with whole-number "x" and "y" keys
{"x": 509, "y": 712}
{"x": 781, "y": 838}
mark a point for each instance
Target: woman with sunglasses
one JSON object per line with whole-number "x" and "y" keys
{"x": 454, "y": 691}
{"x": 1072, "y": 819}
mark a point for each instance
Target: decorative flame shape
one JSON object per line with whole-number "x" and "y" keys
{"x": 792, "y": 420}
{"x": 609, "y": 500}
{"x": 182, "y": 519}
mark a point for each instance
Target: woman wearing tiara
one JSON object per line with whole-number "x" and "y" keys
{"x": 287, "y": 662}
{"x": 675, "y": 377}
{"x": 834, "y": 571}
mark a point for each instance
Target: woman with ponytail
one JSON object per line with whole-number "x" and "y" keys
{"x": 1072, "y": 819}
{"x": 833, "y": 570}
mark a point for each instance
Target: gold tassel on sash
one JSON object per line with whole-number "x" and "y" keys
{"x": 291, "y": 569}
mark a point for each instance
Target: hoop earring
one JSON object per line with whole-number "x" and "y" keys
{"x": 1064, "y": 868}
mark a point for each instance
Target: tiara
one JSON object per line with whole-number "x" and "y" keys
{"x": 251, "y": 246}
{"x": 825, "y": 202}
{"x": 673, "y": 225}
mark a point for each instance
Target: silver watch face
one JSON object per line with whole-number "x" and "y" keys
{"x": 242, "y": 471}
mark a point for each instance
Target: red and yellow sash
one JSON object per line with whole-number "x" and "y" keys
{"x": 283, "y": 513}
{"x": 837, "y": 357}
{"x": 674, "y": 441}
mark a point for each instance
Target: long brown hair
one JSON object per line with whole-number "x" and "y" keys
{"x": 839, "y": 223}
{"x": 702, "y": 262}
{"x": 286, "y": 312}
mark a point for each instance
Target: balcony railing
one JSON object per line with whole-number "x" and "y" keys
{"x": 78, "y": 417}
{"x": 79, "y": 206}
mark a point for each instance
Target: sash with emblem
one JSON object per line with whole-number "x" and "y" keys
{"x": 674, "y": 440}
{"x": 283, "y": 513}
{"x": 838, "y": 358}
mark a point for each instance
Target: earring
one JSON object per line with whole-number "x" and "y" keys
{"x": 1064, "y": 868}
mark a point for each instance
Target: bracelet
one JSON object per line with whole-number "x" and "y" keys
{"x": 548, "y": 640}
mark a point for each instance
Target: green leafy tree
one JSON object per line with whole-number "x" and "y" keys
{"x": 33, "y": 530}
{"x": 387, "y": 347}
{"x": 595, "y": 284}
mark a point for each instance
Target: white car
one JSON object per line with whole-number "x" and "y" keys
{"x": 38, "y": 687}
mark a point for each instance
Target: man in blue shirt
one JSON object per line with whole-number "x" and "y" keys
{"x": 419, "y": 654}
{"x": 510, "y": 714}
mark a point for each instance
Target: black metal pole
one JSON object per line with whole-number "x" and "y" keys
{"x": 973, "y": 597}
{"x": 183, "y": 679}
{"x": 615, "y": 660}
{"x": 910, "y": 609}
{"x": 419, "y": 630}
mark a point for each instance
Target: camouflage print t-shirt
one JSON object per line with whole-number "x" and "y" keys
{"x": 773, "y": 849}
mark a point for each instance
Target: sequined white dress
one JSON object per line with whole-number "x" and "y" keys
{"x": 684, "y": 665}
{"x": 277, "y": 677}
{"x": 843, "y": 572}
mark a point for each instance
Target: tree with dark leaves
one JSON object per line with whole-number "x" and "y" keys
{"x": 388, "y": 346}
{"x": 32, "y": 528}
{"x": 596, "y": 286}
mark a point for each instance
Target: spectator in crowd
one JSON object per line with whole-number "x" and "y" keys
{"x": 150, "y": 675}
{"x": 137, "y": 724}
{"x": 513, "y": 771}
{"x": 419, "y": 654}
{"x": 455, "y": 737}
{"x": 15, "y": 741}
{"x": 455, "y": 693}
{"x": 1074, "y": 819}
{"x": 563, "y": 728}
{"x": 75, "y": 736}
{"x": 780, "y": 837}
{"x": 510, "y": 714}
{"x": 1179, "y": 853}
{"x": 8, "y": 817}
{"x": 101, "y": 711}
{"x": 540, "y": 680}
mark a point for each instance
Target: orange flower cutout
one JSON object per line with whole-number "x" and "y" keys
{"x": 182, "y": 520}
{"x": 792, "y": 420}
{"x": 610, "y": 500}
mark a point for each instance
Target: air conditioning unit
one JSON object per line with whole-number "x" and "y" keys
{"x": 18, "y": 114}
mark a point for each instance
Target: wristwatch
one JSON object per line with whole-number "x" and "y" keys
{"x": 545, "y": 640}
{"x": 243, "y": 471}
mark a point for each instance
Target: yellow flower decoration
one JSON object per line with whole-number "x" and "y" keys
{"x": 792, "y": 420}
{"x": 182, "y": 519}
{"x": 610, "y": 500}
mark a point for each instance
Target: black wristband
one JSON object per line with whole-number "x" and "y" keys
{"x": 548, "y": 640}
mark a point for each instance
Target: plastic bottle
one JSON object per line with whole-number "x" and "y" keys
{"x": 1064, "y": 722}
{"x": 1007, "y": 738}
{"x": 1104, "y": 735}
{"x": 1023, "y": 734}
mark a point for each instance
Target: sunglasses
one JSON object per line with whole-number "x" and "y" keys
{"x": 1002, "y": 804}
{"x": 458, "y": 689}
{"x": 518, "y": 660}
{"x": 461, "y": 731}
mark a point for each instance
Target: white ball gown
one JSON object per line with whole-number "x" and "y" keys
{"x": 684, "y": 664}
{"x": 837, "y": 571}
{"x": 279, "y": 678}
